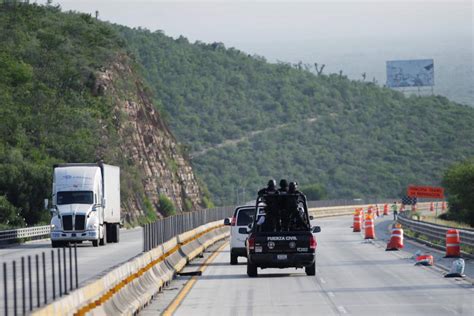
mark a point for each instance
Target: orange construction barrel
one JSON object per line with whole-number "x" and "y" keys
{"x": 396, "y": 239}
{"x": 369, "y": 227}
{"x": 453, "y": 243}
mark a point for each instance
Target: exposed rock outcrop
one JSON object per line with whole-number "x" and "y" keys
{"x": 146, "y": 142}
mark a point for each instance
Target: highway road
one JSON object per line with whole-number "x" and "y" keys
{"x": 91, "y": 261}
{"x": 353, "y": 277}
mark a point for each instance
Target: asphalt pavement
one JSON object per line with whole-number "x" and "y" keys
{"x": 354, "y": 276}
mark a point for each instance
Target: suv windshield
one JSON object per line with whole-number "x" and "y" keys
{"x": 245, "y": 216}
{"x": 75, "y": 197}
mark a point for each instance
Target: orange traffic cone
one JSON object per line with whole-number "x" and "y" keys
{"x": 432, "y": 207}
{"x": 453, "y": 249}
{"x": 357, "y": 221}
{"x": 396, "y": 239}
{"x": 369, "y": 227}
{"x": 377, "y": 210}
{"x": 385, "y": 209}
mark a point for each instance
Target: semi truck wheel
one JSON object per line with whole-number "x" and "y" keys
{"x": 110, "y": 228}
{"x": 56, "y": 243}
{"x": 117, "y": 232}
{"x": 95, "y": 243}
{"x": 103, "y": 240}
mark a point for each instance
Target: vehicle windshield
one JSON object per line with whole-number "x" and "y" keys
{"x": 245, "y": 216}
{"x": 75, "y": 197}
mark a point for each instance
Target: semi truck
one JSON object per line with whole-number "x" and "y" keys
{"x": 85, "y": 204}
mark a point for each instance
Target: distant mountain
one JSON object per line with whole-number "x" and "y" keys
{"x": 245, "y": 120}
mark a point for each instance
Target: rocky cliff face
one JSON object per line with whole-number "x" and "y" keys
{"x": 145, "y": 143}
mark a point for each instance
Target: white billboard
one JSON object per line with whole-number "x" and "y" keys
{"x": 410, "y": 73}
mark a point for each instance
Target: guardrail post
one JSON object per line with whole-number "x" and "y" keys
{"x": 37, "y": 281}
{"x": 44, "y": 279}
{"x": 144, "y": 239}
{"x": 65, "y": 270}
{"x": 5, "y": 287}
{"x": 75, "y": 265}
{"x": 23, "y": 293}
{"x": 52, "y": 275}
{"x": 59, "y": 273}
{"x": 70, "y": 269}
{"x": 14, "y": 288}
{"x": 30, "y": 279}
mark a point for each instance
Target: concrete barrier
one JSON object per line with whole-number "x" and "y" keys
{"x": 126, "y": 288}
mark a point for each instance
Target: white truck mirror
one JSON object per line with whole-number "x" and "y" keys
{"x": 46, "y": 203}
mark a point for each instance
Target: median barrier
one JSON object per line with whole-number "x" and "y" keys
{"x": 128, "y": 287}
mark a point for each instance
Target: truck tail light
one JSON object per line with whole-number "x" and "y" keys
{"x": 312, "y": 242}
{"x": 251, "y": 242}
{"x": 232, "y": 222}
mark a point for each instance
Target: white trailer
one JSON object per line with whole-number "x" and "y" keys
{"x": 85, "y": 204}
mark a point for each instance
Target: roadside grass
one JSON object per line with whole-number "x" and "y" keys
{"x": 433, "y": 219}
{"x": 410, "y": 233}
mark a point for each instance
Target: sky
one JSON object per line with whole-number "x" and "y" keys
{"x": 352, "y": 35}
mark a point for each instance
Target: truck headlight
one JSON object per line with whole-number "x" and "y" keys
{"x": 92, "y": 226}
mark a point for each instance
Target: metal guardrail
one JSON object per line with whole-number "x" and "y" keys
{"x": 162, "y": 230}
{"x": 346, "y": 202}
{"x": 30, "y": 232}
{"x": 435, "y": 231}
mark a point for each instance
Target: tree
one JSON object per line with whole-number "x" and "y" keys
{"x": 314, "y": 191}
{"x": 459, "y": 184}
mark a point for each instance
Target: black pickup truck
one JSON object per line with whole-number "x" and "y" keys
{"x": 283, "y": 238}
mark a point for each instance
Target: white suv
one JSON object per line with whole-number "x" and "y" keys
{"x": 243, "y": 216}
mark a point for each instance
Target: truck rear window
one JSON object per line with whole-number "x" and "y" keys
{"x": 75, "y": 197}
{"x": 245, "y": 217}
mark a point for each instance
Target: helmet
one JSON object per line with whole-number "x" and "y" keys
{"x": 271, "y": 184}
{"x": 283, "y": 184}
{"x": 293, "y": 186}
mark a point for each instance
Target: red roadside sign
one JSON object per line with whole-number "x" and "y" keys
{"x": 425, "y": 192}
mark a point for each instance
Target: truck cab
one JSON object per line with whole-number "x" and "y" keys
{"x": 85, "y": 204}
{"x": 283, "y": 238}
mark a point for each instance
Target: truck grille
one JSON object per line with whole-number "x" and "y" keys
{"x": 67, "y": 222}
{"x": 80, "y": 222}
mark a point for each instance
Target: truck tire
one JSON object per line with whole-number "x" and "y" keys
{"x": 95, "y": 243}
{"x": 110, "y": 228}
{"x": 233, "y": 259}
{"x": 311, "y": 270}
{"x": 117, "y": 232}
{"x": 252, "y": 270}
{"x": 57, "y": 243}
{"x": 103, "y": 240}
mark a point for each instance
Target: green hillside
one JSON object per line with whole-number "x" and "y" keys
{"x": 65, "y": 79}
{"x": 244, "y": 120}
{"x": 47, "y": 112}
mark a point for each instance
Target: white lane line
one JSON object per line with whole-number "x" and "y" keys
{"x": 331, "y": 294}
{"x": 322, "y": 280}
{"x": 342, "y": 309}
